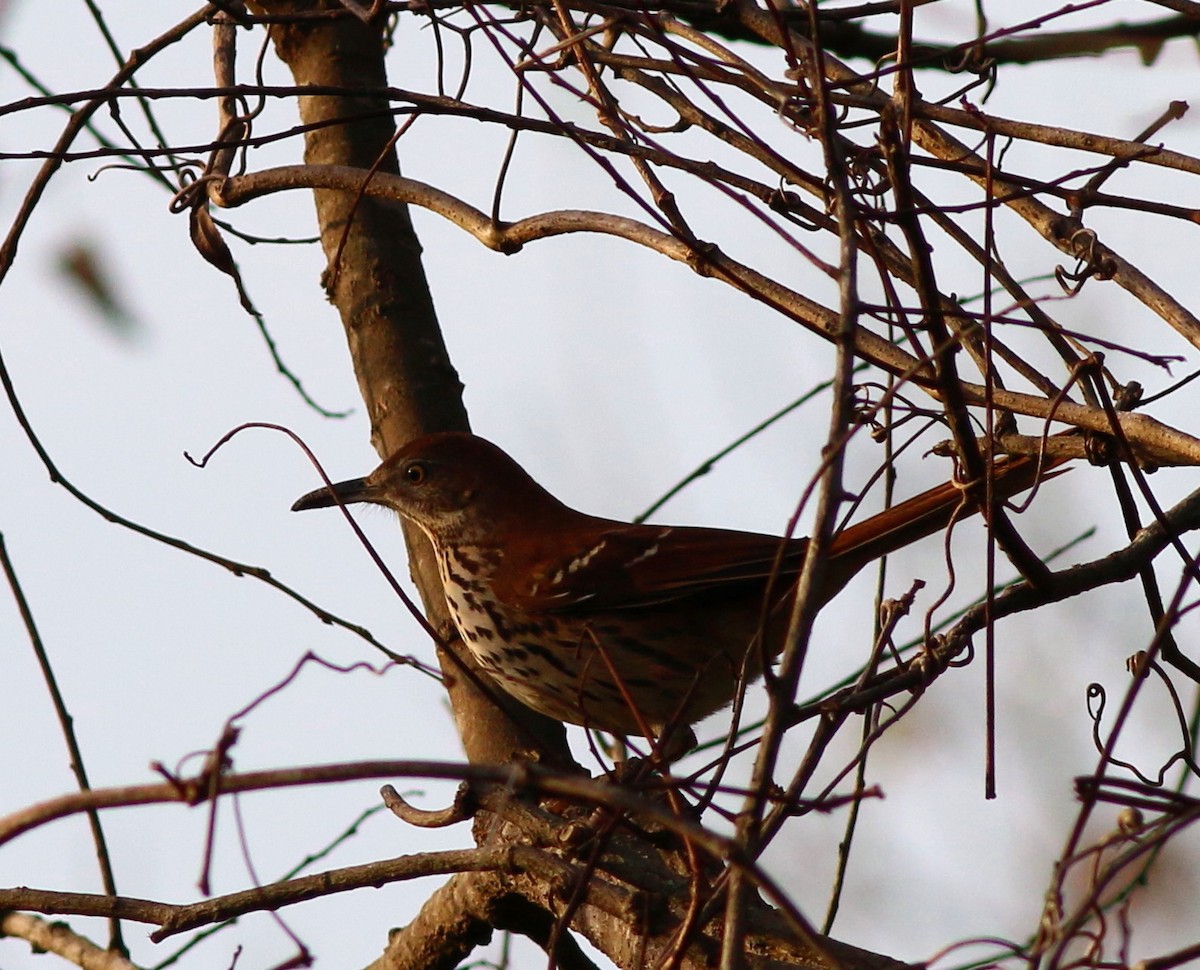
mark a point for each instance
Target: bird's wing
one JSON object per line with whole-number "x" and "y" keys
{"x": 634, "y": 566}
{"x": 621, "y": 566}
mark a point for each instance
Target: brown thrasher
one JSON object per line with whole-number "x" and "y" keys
{"x": 616, "y": 626}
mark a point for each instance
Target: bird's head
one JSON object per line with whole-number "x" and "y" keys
{"x": 457, "y": 487}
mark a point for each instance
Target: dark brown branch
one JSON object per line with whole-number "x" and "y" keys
{"x": 1120, "y": 566}
{"x": 377, "y": 282}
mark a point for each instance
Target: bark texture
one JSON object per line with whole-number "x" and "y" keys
{"x": 376, "y": 280}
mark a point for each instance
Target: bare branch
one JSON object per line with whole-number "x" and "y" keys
{"x": 61, "y": 940}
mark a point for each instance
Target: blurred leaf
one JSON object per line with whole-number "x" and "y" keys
{"x": 81, "y": 263}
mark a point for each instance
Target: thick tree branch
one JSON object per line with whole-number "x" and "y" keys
{"x": 1152, "y": 439}
{"x": 376, "y": 280}
{"x": 62, "y": 941}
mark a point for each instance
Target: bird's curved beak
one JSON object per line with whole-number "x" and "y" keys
{"x": 355, "y": 490}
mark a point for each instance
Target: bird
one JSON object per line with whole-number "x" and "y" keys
{"x": 631, "y": 629}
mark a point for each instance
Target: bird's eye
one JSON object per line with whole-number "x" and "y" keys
{"x": 416, "y": 473}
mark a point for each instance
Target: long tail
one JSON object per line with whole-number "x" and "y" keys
{"x": 929, "y": 513}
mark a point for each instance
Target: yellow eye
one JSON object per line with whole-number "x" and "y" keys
{"x": 416, "y": 473}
